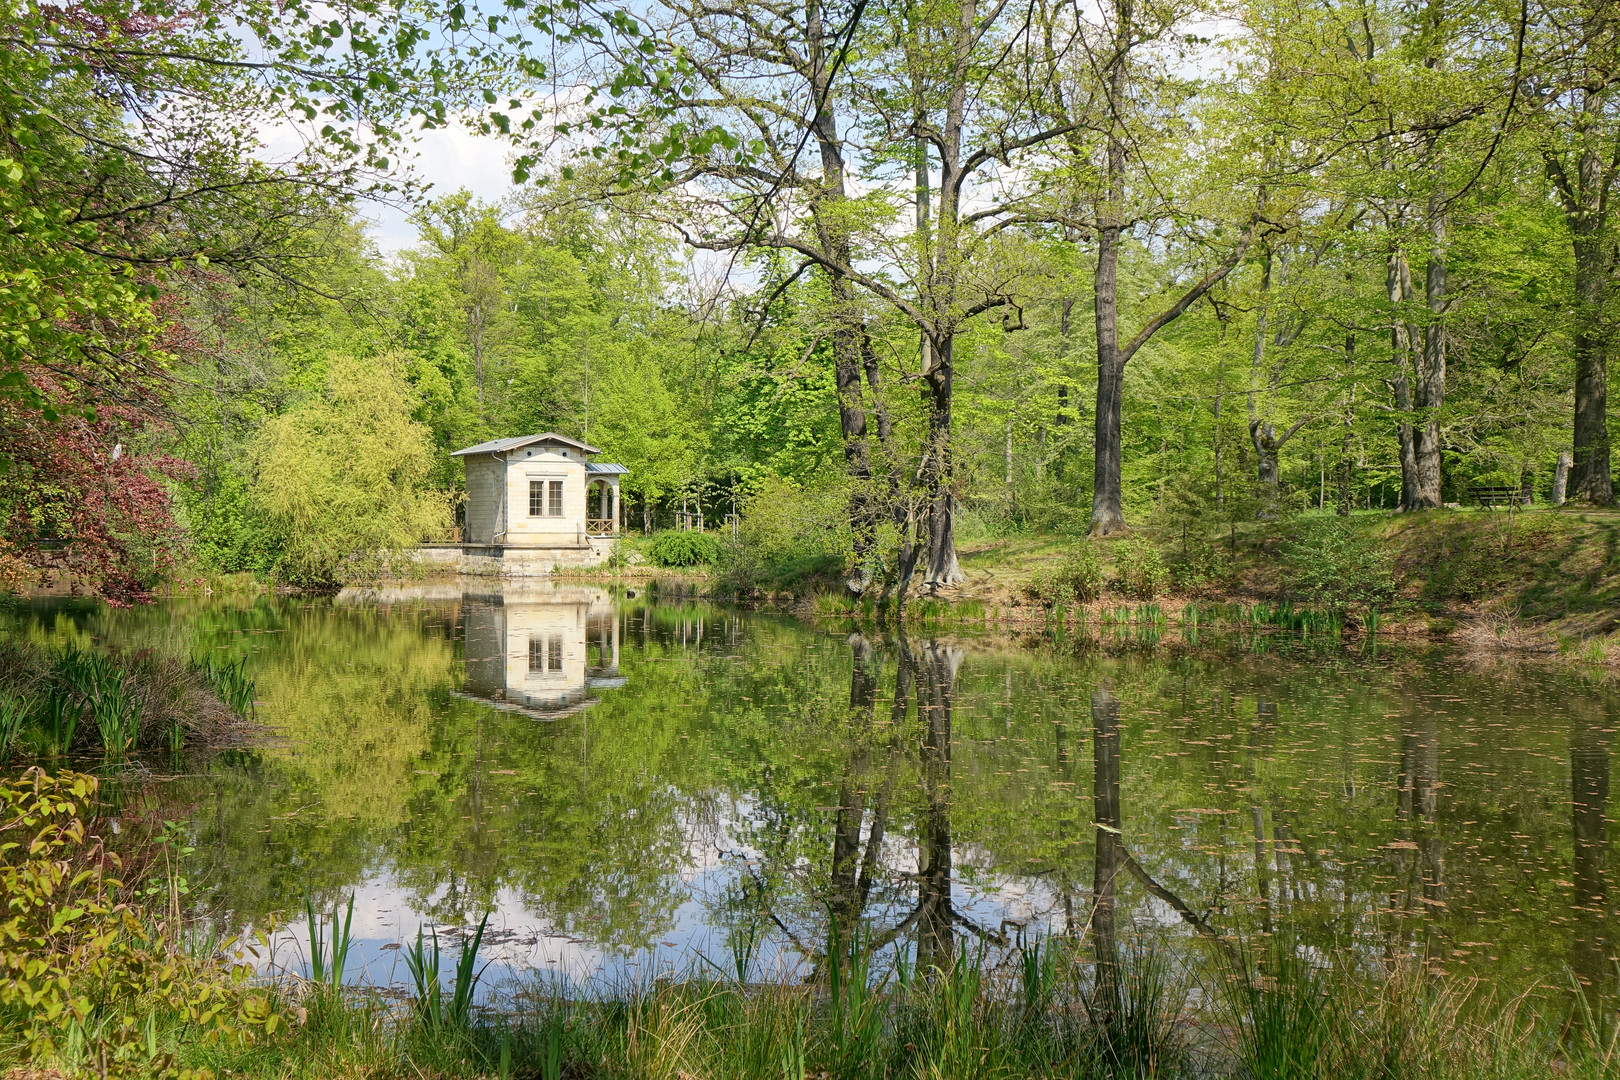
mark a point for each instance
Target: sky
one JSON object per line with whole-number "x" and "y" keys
{"x": 449, "y": 159}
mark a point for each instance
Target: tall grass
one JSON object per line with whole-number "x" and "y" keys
{"x": 1287, "y": 1014}
{"x": 1283, "y": 1012}
{"x": 229, "y": 680}
{"x": 14, "y": 712}
{"x": 328, "y": 950}
{"x": 422, "y": 959}
{"x": 80, "y": 699}
{"x": 104, "y": 688}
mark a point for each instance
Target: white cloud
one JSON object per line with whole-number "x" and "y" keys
{"x": 448, "y": 159}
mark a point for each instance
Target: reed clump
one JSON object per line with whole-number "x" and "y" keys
{"x": 73, "y": 700}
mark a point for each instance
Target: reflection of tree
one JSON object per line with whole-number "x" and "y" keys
{"x": 1112, "y": 855}
{"x": 1417, "y": 804}
{"x": 927, "y": 672}
{"x": 936, "y": 679}
{"x": 1589, "y": 800}
{"x": 1110, "y": 848}
{"x": 854, "y": 866}
{"x": 780, "y": 736}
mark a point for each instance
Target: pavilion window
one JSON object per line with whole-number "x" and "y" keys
{"x": 554, "y": 507}
{"x": 537, "y": 495}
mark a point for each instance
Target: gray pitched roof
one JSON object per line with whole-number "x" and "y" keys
{"x": 605, "y": 468}
{"x": 501, "y": 446}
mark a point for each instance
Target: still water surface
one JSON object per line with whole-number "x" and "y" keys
{"x": 630, "y": 786}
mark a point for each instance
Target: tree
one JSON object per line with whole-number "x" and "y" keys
{"x": 1125, "y": 116}
{"x": 344, "y": 474}
{"x": 1574, "y": 97}
{"x": 78, "y": 498}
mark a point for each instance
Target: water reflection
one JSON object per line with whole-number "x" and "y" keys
{"x": 1592, "y": 952}
{"x": 936, "y": 665}
{"x": 532, "y": 651}
{"x": 706, "y": 774}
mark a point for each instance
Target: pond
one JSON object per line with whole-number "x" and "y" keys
{"x": 631, "y": 785}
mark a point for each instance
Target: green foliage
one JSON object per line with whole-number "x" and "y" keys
{"x": 344, "y": 474}
{"x": 104, "y": 689}
{"x": 422, "y": 959}
{"x": 1201, "y": 568}
{"x": 1142, "y": 573}
{"x": 1136, "y": 1014}
{"x": 683, "y": 548}
{"x": 1283, "y": 1012}
{"x": 15, "y": 711}
{"x": 790, "y": 537}
{"x": 83, "y": 976}
{"x": 329, "y": 949}
{"x": 230, "y": 533}
{"x": 125, "y": 701}
{"x": 1079, "y": 577}
{"x": 229, "y": 680}
{"x": 1337, "y": 562}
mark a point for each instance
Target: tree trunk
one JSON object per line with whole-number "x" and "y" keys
{"x": 1584, "y": 192}
{"x": 1266, "y": 448}
{"x": 857, "y": 457}
{"x": 1345, "y": 463}
{"x": 941, "y": 275}
{"x": 943, "y": 568}
{"x": 1561, "y": 477}
{"x": 1398, "y": 280}
{"x": 1431, "y": 380}
{"x": 1107, "y": 498}
{"x": 1107, "y": 511}
{"x": 849, "y": 334}
{"x": 1591, "y": 476}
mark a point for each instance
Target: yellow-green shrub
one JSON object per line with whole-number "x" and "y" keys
{"x": 84, "y": 973}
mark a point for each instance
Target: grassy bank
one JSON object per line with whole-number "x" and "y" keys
{"x": 1538, "y": 579}
{"x": 105, "y": 977}
{"x": 1544, "y": 564}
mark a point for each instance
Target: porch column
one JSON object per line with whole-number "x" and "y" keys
{"x": 615, "y": 518}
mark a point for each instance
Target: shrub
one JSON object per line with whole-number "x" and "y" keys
{"x": 85, "y": 963}
{"x": 1332, "y": 562}
{"x": 1202, "y": 568}
{"x": 683, "y": 548}
{"x": 1078, "y": 577}
{"x": 1044, "y": 588}
{"x": 1142, "y": 573}
{"x": 1082, "y": 573}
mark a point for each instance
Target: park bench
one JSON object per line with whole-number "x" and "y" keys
{"x": 1501, "y": 496}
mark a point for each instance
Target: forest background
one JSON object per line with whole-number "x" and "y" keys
{"x": 872, "y": 277}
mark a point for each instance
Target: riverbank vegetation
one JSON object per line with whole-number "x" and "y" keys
{"x": 896, "y": 287}
{"x": 78, "y": 698}
{"x": 108, "y": 972}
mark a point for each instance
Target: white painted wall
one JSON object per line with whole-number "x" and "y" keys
{"x": 492, "y": 519}
{"x": 545, "y": 464}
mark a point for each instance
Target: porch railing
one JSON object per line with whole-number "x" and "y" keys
{"x": 599, "y": 526}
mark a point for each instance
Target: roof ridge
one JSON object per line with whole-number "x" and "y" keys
{"x": 515, "y": 442}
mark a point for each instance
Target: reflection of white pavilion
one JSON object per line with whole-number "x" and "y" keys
{"x": 538, "y": 651}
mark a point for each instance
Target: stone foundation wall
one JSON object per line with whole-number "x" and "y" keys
{"x": 504, "y": 561}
